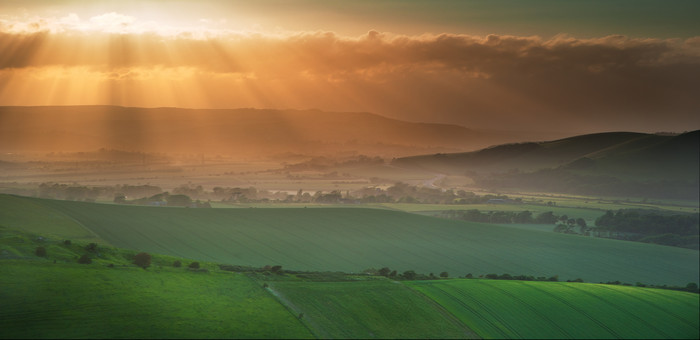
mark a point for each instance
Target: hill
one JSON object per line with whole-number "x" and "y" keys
{"x": 561, "y": 310}
{"x": 242, "y": 132}
{"x": 53, "y": 296}
{"x": 354, "y": 239}
{"x": 616, "y": 163}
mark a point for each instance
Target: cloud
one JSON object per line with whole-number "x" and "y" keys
{"x": 446, "y": 77}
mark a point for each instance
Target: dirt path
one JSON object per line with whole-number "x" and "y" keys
{"x": 296, "y": 311}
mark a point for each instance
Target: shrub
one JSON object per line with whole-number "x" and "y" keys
{"x": 469, "y": 276}
{"x": 276, "y": 269}
{"x": 142, "y": 260}
{"x": 40, "y": 251}
{"x": 92, "y": 247}
{"x": 409, "y": 275}
{"x": 194, "y": 265}
{"x": 444, "y": 275}
{"x": 177, "y": 264}
{"x": 384, "y": 271}
{"x": 85, "y": 259}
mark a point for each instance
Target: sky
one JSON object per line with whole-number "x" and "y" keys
{"x": 578, "y": 66}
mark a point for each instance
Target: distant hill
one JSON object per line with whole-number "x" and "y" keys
{"x": 667, "y": 166}
{"x": 249, "y": 132}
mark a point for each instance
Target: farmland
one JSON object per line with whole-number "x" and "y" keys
{"x": 518, "y": 309}
{"x": 44, "y": 300}
{"x": 44, "y": 296}
{"x": 369, "y": 309}
{"x": 354, "y": 239}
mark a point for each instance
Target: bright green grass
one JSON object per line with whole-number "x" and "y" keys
{"x": 45, "y": 300}
{"x": 368, "y": 309}
{"x": 34, "y": 216}
{"x": 518, "y": 309}
{"x": 352, "y": 240}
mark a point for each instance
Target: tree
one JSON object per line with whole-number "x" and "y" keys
{"x": 177, "y": 264}
{"x": 546, "y": 218}
{"x": 582, "y": 225}
{"x": 409, "y": 275}
{"x": 85, "y": 259}
{"x": 444, "y": 275}
{"x": 384, "y": 271}
{"x": 40, "y": 251}
{"x": 194, "y": 265}
{"x": 142, "y": 260}
{"x": 276, "y": 269}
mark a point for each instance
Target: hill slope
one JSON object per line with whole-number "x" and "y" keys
{"x": 354, "y": 239}
{"x": 617, "y": 163}
{"x": 247, "y": 132}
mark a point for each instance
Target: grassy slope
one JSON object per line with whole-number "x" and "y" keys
{"x": 369, "y": 309}
{"x": 65, "y": 299}
{"x": 516, "y": 309}
{"x": 34, "y": 216}
{"x": 46, "y": 300}
{"x": 352, "y": 240}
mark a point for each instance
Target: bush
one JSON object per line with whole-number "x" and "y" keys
{"x": 444, "y": 275}
{"x": 276, "y": 269}
{"x": 409, "y": 275}
{"x": 142, "y": 260}
{"x": 194, "y": 265}
{"x": 85, "y": 259}
{"x": 177, "y": 264}
{"x": 40, "y": 251}
{"x": 92, "y": 247}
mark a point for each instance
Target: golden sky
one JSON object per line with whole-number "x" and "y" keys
{"x": 443, "y": 61}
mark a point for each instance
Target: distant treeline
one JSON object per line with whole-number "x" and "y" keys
{"x": 398, "y": 193}
{"x": 681, "y": 230}
{"x": 504, "y": 217}
{"x": 564, "y": 181}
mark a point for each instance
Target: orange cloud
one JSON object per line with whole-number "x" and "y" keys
{"x": 563, "y": 82}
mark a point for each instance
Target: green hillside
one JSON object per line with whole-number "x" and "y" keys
{"x": 56, "y": 297}
{"x": 354, "y": 239}
{"x": 45, "y": 300}
{"x": 369, "y": 309}
{"x": 558, "y": 310}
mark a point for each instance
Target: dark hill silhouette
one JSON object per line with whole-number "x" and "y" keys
{"x": 616, "y": 163}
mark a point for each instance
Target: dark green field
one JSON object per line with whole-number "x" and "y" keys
{"x": 521, "y": 309}
{"x": 56, "y": 297}
{"x": 351, "y": 240}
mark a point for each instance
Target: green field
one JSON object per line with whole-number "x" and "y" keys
{"x": 532, "y": 310}
{"x": 55, "y": 297}
{"x": 45, "y": 300}
{"x": 351, "y": 240}
{"x": 369, "y": 309}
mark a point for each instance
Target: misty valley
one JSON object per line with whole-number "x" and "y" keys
{"x": 454, "y": 169}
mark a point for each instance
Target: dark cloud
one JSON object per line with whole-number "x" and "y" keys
{"x": 551, "y": 83}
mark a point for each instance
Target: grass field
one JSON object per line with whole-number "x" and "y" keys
{"x": 352, "y": 240}
{"x": 55, "y": 297}
{"x": 369, "y": 309}
{"x": 532, "y": 310}
{"x": 45, "y": 300}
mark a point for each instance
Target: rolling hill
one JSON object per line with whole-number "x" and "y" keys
{"x": 242, "y": 132}
{"x": 354, "y": 239}
{"x": 616, "y": 163}
{"x": 52, "y": 296}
